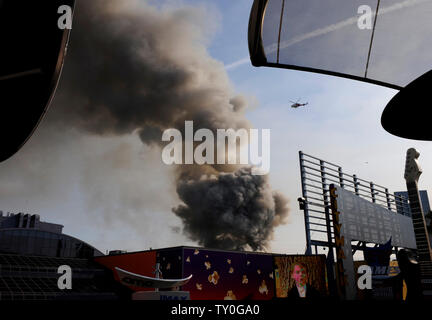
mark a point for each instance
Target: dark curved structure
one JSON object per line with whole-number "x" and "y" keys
{"x": 407, "y": 115}
{"x": 31, "y": 60}
{"x": 25, "y": 234}
{"x": 329, "y": 37}
{"x": 44, "y": 243}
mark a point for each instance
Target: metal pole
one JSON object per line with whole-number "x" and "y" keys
{"x": 356, "y": 189}
{"x": 305, "y": 210}
{"x": 341, "y": 182}
{"x": 372, "y": 192}
{"x": 326, "y": 201}
{"x": 330, "y": 256}
{"x": 388, "y": 199}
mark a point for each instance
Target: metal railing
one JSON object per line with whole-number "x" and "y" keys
{"x": 316, "y": 177}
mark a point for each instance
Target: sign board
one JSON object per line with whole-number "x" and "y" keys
{"x": 161, "y": 295}
{"x": 355, "y": 218}
{"x": 370, "y": 222}
{"x": 136, "y": 280}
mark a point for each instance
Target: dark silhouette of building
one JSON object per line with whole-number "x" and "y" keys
{"x": 26, "y": 234}
{"x": 31, "y": 251}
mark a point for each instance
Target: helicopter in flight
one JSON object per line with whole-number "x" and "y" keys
{"x": 297, "y": 104}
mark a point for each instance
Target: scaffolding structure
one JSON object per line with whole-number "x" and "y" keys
{"x": 316, "y": 177}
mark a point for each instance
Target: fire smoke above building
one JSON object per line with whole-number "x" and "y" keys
{"x": 133, "y": 67}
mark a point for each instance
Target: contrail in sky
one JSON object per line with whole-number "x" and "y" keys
{"x": 325, "y": 30}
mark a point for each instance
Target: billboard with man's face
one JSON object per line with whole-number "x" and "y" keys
{"x": 300, "y": 276}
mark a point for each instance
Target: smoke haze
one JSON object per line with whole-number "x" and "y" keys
{"x": 133, "y": 68}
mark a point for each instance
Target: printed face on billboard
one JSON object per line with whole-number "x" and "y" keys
{"x": 300, "y": 276}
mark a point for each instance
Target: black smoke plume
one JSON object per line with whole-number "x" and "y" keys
{"x": 132, "y": 67}
{"x": 230, "y": 210}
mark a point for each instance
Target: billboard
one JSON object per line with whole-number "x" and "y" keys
{"x": 366, "y": 221}
{"x": 222, "y": 274}
{"x": 171, "y": 262}
{"x": 225, "y": 275}
{"x": 300, "y": 276}
{"x": 355, "y": 218}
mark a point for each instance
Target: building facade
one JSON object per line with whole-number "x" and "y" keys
{"x": 31, "y": 252}
{"x": 402, "y": 204}
{"x": 26, "y": 234}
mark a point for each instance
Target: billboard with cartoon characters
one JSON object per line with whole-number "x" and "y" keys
{"x": 228, "y": 275}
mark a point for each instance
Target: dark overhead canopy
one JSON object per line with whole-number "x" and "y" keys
{"x": 408, "y": 114}
{"x": 31, "y": 59}
{"x": 325, "y": 37}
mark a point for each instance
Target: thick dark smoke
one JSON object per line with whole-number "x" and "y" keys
{"x": 231, "y": 210}
{"x": 134, "y": 68}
